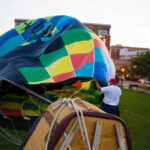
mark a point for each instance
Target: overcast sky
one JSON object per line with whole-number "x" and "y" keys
{"x": 129, "y": 19}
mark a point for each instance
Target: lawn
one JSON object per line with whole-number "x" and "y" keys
{"x": 5, "y": 145}
{"x": 134, "y": 109}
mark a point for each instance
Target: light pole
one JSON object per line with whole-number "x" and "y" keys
{"x": 122, "y": 75}
{"x": 134, "y": 66}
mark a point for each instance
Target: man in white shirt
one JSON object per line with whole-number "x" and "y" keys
{"x": 111, "y": 98}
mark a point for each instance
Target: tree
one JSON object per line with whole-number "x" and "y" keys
{"x": 123, "y": 71}
{"x": 140, "y": 65}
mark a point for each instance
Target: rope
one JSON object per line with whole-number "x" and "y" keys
{"x": 10, "y": 137}
{"x": 61, "y": 92}
{"x": 80, "y": 89}
{"x": 27, "y": 90}
{"x": 15, "y": 130}
{"x": 70, "y": 103}
{"x": 83, "y": 130}
{"x": 65, "y": 134}
{"x": 52, "y": 125}
{"x": 39, "y": 106}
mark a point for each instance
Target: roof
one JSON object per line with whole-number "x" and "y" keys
{"x": 99, "y": 24}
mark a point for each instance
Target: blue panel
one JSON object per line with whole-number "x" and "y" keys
{"x": 11, "y": 44}
{"x": 30, "y": 30}
{"x": 39, "y": 27}
{"x": 85, "y": 71}
{"x": 27, "y": 34}
{"x": 55, "y": 19}
{"x": 46, "y": 28}
{"x": 7, "y": 36}
{"x": 99, "y": 55}
{"x": 64, "y": 22}
{"x": 100, "y": 72}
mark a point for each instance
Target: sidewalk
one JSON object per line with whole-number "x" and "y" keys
{"x": 133, "y": 86}
{"x": 143, "y": 90}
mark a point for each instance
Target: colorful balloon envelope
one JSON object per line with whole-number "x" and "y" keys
{"x": 53, "y": 49}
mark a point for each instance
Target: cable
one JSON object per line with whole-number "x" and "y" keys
{"x": 26, "y": 89}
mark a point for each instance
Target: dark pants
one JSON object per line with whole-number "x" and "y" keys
{"x": 110, "y": 109}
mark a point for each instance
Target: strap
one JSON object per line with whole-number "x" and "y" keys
{"x": 97, "y": 135}
{"x": 71, "y": 104}
{"x": 70, "y": 136}
{"x": 121, "y": 139}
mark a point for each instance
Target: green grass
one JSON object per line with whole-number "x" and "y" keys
{"x": 5, "y": 145}
{"x": 134, "y": 110}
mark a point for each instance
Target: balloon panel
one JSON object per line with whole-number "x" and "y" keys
{"x": 53, "y": 49}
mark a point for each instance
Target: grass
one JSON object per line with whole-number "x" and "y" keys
{"x": 134, "y": 110}
{"x": 5, "y": 145}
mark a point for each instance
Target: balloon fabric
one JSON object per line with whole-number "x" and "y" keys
{"x": 53, "y": 49}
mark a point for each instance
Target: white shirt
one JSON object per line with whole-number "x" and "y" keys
{"x": 112, "y": 95}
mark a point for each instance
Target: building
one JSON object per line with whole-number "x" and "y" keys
{"x": 102, "y": 30}
{"x": 19, "y": 21}
{"x": 122, "y": 54}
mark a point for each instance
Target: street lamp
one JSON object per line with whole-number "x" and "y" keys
{"x": 122, "y": 70}
{"x": 122, "y": 75}
{"x": 134, "y": 66}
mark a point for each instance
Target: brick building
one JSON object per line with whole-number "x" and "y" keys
{"x": 19, "y": 21}
{"x": 102, "y": 30}
{"x": 122, "y": 54}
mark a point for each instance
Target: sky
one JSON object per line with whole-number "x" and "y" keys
{"x": 129, "y": 19}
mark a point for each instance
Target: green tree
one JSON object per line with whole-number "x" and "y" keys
{"x": 140, "y": 65}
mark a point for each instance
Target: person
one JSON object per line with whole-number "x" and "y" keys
{"x": 111, "y": 98}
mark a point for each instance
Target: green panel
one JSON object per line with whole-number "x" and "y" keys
{"x": 49, "y": 18}
{"x": 49, "y": 58}
{"x": 75, "y": 35}
{"x": 20, "y": 28}
{"x": 36, "y": 74}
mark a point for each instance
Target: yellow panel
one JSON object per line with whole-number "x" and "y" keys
{"x": 44, "y": 81}
{"x": 61, "y": 66}
{"x": 53, "y": 30}
{"x": 94, "y": 36}
{"x": 32, "y": 112}
{"x": 25, "y": 44}
{"x": 86, "y": 85}
{"x": 80, "y": 47}
{"x": 10, "y": 105}
{"x": 26, "y": 118}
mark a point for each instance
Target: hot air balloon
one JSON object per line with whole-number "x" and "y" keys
{"x": 44, "y": 56}
{"x": 52, "y": 50}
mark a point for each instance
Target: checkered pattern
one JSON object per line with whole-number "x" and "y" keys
{"x": 53, "y": 49}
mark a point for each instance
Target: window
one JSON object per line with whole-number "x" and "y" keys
{"x": 103, "y": 32}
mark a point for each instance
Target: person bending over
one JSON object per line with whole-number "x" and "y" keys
{"x": 111, "y": 98}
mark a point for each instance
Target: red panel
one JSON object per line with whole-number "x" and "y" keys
{"x": 12, "y": 112}
{"x": 77, "y": 84}
{"x": 78, "y": 60}
{"x": 63, "y": 76}
{"x": 99, "y": 44}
